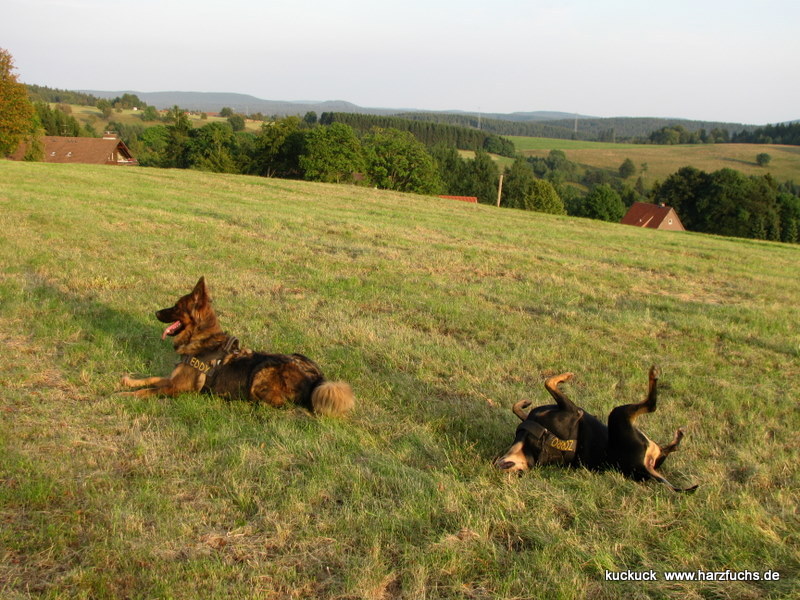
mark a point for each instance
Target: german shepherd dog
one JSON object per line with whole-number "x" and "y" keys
{"x": 564, "y": 434}
{"x": 211, "y": 361}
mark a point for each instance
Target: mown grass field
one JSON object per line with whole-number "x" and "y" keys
{"x": 662, "y": 161}
{"x": 441, "y": 315}
{"x": 530, "y": 144}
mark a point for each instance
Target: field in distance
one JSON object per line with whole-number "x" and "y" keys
{"x": 92, "y": 115}
{"x": 441, "y": 315}
{"x": 664, "y": 160}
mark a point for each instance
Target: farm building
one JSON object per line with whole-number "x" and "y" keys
{"x": 653, "y": 216}
{"x": 108, "y": 150}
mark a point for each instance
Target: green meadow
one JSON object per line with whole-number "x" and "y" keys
{"x": 441, "y": 315}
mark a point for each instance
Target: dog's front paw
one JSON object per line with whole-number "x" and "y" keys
{"x": 655, "y": 372}
{"x": 127, "y": 381}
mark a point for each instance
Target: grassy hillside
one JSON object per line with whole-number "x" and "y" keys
{"x": 441, "y": 315}
{"x": 665, "y": 160}
{"x": 93, "y": 116}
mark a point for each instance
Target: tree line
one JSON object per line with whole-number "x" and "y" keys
{"x": 783, "y": 133}
{"x": 613, "y": 129}
{"x": 500, "y": 127}
{"x": 39, "y": 93}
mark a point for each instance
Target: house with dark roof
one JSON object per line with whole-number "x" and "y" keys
{"x": 653, "y": 216}
{"x": 108, "y": 150}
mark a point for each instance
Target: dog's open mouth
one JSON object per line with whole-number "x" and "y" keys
{"x": 173, "y": 329}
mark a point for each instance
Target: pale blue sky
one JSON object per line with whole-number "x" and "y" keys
{"x": 710, "y": 60}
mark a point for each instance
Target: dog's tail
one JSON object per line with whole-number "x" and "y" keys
{"x": 332, "y": 398}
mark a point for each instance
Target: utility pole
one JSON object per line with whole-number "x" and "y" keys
{"x": 500, "y": 189}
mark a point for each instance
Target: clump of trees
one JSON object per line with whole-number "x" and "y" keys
{"x": 522, "y": 189}
{"x": 763, "y": 159}
{"x": 678, "y": 134}
{"x": 58, "y": 121}
{"x": 726, "y": 202}
{"x": 429, "y": 133}
{"x": 782, "y": 133}
{"x": 602, "y": 203}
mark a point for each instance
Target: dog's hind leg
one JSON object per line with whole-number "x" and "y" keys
{"x": 670, "y": 448}
{"x": 676, "y": 441}
{"x": 564, "y": 403}
{"x": 629, "y": 412}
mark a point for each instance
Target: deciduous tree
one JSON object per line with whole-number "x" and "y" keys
{"x": 602, "y": 203}
{"x": 278, "y": 147}
{"x": 16, "y": 111}
{"x": 236, "y": 122}
{"x": 396, "y": 160}
{"x": 333, "y": 154}
{"x": 627, "y": 168}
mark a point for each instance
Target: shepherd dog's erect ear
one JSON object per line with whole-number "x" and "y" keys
{"x": 200, "y": 292}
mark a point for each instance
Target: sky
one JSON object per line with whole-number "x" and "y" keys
{"x": 730, "y": 61}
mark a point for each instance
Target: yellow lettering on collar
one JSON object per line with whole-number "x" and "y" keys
{"x": 563, "y": 445}
{"x": 199, "y": 365}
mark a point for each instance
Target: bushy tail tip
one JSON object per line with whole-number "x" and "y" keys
{"x": 332, "y": 398}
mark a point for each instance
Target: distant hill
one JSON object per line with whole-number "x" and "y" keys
{"x": 518, "y": 117}
{"x": 243, "y": 103}
{"x": 552, "y": 124}
{"x": 613, "y": 128}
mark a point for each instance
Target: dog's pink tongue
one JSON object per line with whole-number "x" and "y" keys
{"x": 170, "y": 329}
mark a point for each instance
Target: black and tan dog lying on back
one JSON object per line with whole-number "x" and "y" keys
{"x": 564, "y": 434}
{"x": 211, "y": 361}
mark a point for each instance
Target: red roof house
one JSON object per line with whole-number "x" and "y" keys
{"x": 108, "y": 150}
{"x": 653, "y": 216}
